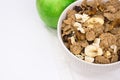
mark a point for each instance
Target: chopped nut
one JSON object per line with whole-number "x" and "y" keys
{"x": 114, "y": 47}
{"x": 83, "y": 17}
{"x": 78, "y": 16}
{"x": 99, "y": 52}
{"x": 97, "y": 42}
{"x": 89, "y": 59}
{"x": 76, "y": 24}
{"x": 107, "y": 54}
{"x": 79, "y": 27}
{"x": 81, "y": 30}
{"x": 72, "y": 40}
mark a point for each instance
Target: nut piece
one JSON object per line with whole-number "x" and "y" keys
{"x": 72, "y": 40}
{"x": 85, "y": 17}
{"x": 93, "y": 51}
{"x": 114, "y": 47}
{"x": 79, "y": 27}
{"x": 77, "y": 24}
{"x": 75, "y": 48}
{"x": 78, "y": 16}
{"x": 101, "y": 60}
{"x": 82, "y": 18}
{"x": 95, "y": 20}
{"x": 97, "y": 42}
{"x": 89, "y": 59}
{"x": 107, "y": 54}
{"x": 100, "y": 52}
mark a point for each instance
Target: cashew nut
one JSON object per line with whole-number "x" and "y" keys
{"x": 79, "y": 27}
{"x": 78, "y": 16}
{"x": 97, "y": 42}
{"x": 83, "y": 17}
{"x": 114, "y": 47}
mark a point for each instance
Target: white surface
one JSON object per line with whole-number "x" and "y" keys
{"x": 30, "y": 51}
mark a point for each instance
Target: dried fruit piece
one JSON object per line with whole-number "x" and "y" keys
{"x": 118, "y": 52}
{"x": 101, "y": 60}
{"x": 77, "y": 8}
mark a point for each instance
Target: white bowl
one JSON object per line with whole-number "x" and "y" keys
{"x": 77, "y": 63}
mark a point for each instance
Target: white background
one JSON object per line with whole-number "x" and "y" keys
{"x": 31, "y": 51}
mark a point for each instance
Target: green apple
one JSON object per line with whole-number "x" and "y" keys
{"x": 50, "y": 10}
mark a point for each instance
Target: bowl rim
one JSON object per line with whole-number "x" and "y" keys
{"x": 62, "y": 43}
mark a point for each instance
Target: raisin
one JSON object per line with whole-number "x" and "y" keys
{"x": 77, "y": 8}
{"x": 65, "y": 38}
{"x": 90, "y": 42}
{"x": 71, "y": 34}
{"x": 105, "y": 19}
